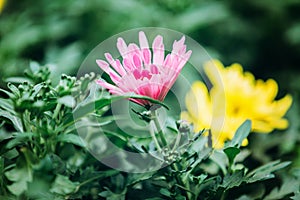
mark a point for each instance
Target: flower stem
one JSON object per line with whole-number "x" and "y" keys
{"x": 164, "y": 142}
{"x": 56, "y": 111}
{"x": 159, "y": 129}
{"x": 178, "y": 138}
{"x": 153, "y": 136}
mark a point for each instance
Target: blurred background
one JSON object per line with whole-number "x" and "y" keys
{"x": 264, "y": 36}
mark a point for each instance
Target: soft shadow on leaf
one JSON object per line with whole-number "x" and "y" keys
{"x": 265, "y": 172}
{"x": 63, "y": 186}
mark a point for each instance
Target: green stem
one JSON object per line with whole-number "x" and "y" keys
{"x": 56, "y": 111}
{"x": 92, "y": 179}
{"x": 154, "y": 137}
{"x": 178, "y": 138}
{"x": 180, "y": 182}
{"x": 164, "y": 143}
{"x": 223, "y": 195}
{"x": 23, "y": 122}
{"x": 159, "y": 129}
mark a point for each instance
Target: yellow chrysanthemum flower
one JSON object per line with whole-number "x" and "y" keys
{"x": 2, "y": 3}
{"x": 234, "y": 97}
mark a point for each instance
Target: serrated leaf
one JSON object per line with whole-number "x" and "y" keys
{"x": 109, "y": 195}
{"x": 241, "y": 134}
{"x": 20, "y": 177}
{"x": 233, "y": 180}
{"x": 14, "y": 119}
{"x": 289, "y": 186}
{"x": 135, "y": 178}
{"x": 11, "y": 154}
{"x": 71, "y": 138}
{"x": 63, "y": 186}
{"x": 265, "y": 172}
{"x": 19, "y": 138}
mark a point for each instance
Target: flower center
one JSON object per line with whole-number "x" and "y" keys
{"x": 145, "y": 73}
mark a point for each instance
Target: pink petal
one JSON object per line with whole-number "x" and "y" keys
{"x": 127, "y": 64}
{"x": 136, "y": 74}
{"x": 115, "y": 64}
{"x": 146, "y": 56}
{"x": 133, "y": 49}
{"x": 102, "y": 64}
{"x": 143, "y": 40}
{"x": 178, "y": 45}
{"x": 158, "y": 50}
{"x": 105, "y": 67}
{"x": 154, "y": 69}
{"x": 146, "y": 73}
{"x": 184, "y": 59}
{"x": 107, "y": 85}
{"x": 114, "y": 77}
{"x": 142, "y": 73}
{"x": 167, "y": 61}
{"x": 122, "y": 47}
{"x": 137, "y": 61}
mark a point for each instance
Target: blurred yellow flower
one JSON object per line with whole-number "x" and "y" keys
{"x": 234, "y": 97}
{"x": 2, "y": 3}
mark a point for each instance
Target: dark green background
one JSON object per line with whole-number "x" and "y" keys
{"x": 264, "y": 36}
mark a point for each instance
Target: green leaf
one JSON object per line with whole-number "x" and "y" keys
{"x": 241, "y": 134}
{"x": 14, "y": 119}
{"x": 296, "y": 196}
{"x": 231, "y": 153}
{"x": 68, "y": 101}
{"x": 233, "y": 180}
{"x": 71, "y": 138}
{"x": 165, "y": 192}
{"x": 14, "y": 89}
{"x": 82, "y": 110}
{"x": 19, "y": 138}
{"x": 18, "y": 80}
{"x": 9, "y": 94}
{"x": 11, "y": 154}
{"x": 7, "y": 105}
{"x": 265, "y": 172}
{"x": 220, "y": 159}
{"x": 135, "y": 96}
{"x": 136, "y": 178}
{"x": 63, "y": 186}
{"x": 36, "y": 89}
{"x": 20, "y": 177}
{"x": 290, "y": 185}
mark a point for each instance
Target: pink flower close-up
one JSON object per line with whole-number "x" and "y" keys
{"x": 143, "y": 70}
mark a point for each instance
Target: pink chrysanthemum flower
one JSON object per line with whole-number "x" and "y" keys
{"x": 144, "y": 72}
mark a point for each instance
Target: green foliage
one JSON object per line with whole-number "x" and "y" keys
{"x": 44, "y": 157}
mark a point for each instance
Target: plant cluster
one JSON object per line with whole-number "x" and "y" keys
{"x": 43, "y": 157}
